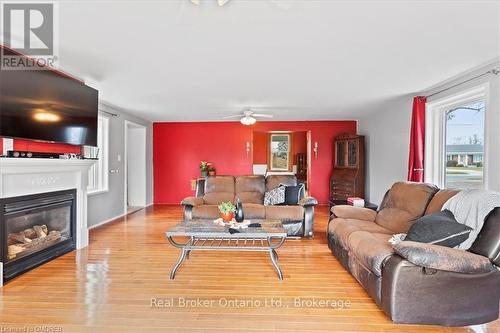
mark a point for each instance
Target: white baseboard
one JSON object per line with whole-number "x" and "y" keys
{"x": 115, "y": 218}
{"x": 106, "y": 221}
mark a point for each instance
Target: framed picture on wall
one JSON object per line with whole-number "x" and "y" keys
{"x": 280, "y": 158}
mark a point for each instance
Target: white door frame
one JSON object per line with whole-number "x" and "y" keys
{"x": 127, "y": 123}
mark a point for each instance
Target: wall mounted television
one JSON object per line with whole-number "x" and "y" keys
{"x": 47, "y": 106}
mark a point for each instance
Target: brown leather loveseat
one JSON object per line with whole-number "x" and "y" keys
{"x": 298, "y": 219}
{"x": 416, "y": 282}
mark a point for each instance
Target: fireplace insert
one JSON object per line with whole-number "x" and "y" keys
{"x": 35, "y": 229}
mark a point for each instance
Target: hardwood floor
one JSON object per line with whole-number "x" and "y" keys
{"x": 109, "y": 287}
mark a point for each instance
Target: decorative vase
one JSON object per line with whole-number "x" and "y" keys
{"x": 239, "y": 216}
{"x": 227, "y": 217}
{"x": 204, "y": 173}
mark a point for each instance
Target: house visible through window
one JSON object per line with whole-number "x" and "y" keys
{"x": 98, "y": 173}
{"x": 465, "y": 146}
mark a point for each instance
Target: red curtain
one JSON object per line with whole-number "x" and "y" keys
{"x": 417, "y": 141}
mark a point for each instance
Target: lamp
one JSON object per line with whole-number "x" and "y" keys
{"x": 247, "y": 120}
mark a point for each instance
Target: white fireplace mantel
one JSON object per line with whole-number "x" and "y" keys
{"x": 23, "y": 176}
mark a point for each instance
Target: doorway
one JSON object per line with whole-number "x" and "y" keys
{"x": 135, "y": 167}
{"x": 282, "y": 152}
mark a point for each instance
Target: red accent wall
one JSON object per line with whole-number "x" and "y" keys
{"x": 260, "y": 142}
{"x": 178, "y": 149}
{"x": 44, "y": 147}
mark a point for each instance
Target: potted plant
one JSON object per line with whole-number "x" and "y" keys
{"x": 204, "y": 168}
{"x": 211, "y": 171}
{"x": 227, "y": 210}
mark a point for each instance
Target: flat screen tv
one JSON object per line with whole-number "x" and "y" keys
{"x": 45, "y": 105}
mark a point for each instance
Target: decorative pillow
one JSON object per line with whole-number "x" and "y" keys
{"x": 275, "y": 196}
{"x": 440, "y": 228}
{"x": 292, "y": 194}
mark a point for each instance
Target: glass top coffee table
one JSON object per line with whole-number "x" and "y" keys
{"x": 207, "y": 236}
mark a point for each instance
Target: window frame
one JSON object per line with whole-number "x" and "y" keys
{"x": 435, "y": 134}
{"x": 101, "y": 169}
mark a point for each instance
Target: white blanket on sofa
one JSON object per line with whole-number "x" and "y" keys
{"x": 470, "y": 207}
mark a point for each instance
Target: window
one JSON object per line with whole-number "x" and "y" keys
{"x": 465, "y": 146}
{"x": 279, "y": 147}
{"x": 98, "y": 173}
{"x": 455, "y": 140}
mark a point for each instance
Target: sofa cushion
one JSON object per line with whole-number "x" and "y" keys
{"x": 293, "y": 194}
{"x": 443, "y": 258}
{"x": 404, "y": 204}
{"x": 341, "y": 229}
{"x": 250, "y": 189}
{"x": 254, "y": 211}
{"x": 285, "y": 213}
{"x": 251, "y": 197}
{"x": 439, "y": 199}
{"x": 250, "y": 184}
{"x": 216, "y": 198}
{"x": 219, "y": 184}
{"x": 371, "y": 249}
{"x": 274, "y": 181}
{"x": 206, "y": 212}
{"x": 275, "y": 197}
{"x": 439, "y": 228}
{"x": 218, "y": 189}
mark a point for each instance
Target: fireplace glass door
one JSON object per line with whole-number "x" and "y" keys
{"x": 37, "y": 229}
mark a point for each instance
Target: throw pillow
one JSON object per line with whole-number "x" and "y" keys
{"x": 292, "y": 194}
{"x": 440, "y": 228}
{"x": 275, "y": 197}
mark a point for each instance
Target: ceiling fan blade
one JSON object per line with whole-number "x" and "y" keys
{"x": 233, "y": 116}
{"x": 262, "y": 115}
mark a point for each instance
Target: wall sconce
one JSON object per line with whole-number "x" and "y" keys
{"x": 315, "y": 150}
{"x": 247, "y": 148}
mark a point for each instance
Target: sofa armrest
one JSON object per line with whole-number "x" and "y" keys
{"x": 308, "y": 201}
{"x": 192, "y": 201}
{"x": 443, "y": 258}
{"x": 351, "y": 212}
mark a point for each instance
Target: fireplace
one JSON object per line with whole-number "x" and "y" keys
{"x": 35, "y": 229}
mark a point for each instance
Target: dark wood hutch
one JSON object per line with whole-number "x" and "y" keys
{"x": 348, "y": 177}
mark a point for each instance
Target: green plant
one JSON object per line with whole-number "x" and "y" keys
{"x": 451, "y": 163}
{"x": 204, "y": 165}
{"x": 211, "y": 168}
{"x": 460, "y": 165}
{"x": 479, "y": 164}
{"x": 227, "y": 207}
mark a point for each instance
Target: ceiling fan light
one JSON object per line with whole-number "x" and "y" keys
{"x": 248, "y": 120}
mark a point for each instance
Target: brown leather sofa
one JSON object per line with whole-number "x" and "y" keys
{"x": 298, "y": 219}
{"x": 415, "y": 282}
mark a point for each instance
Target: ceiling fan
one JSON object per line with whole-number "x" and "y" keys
{"x": 248, "y": 117}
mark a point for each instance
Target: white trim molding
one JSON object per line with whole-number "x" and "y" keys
{"x": 435, "y": 134}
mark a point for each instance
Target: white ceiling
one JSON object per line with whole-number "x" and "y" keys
{"x": 306, "y": 59}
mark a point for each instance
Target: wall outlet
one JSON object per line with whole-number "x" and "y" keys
{"x": 119, "y": 158}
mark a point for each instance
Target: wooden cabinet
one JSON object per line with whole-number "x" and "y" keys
{"x": 348, "y": 176}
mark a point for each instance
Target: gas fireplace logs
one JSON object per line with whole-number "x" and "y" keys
{"x": 31, "y": 240}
